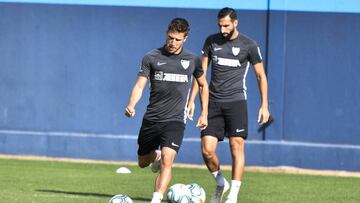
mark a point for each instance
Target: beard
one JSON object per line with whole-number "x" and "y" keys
{"x": 227, "y": 37}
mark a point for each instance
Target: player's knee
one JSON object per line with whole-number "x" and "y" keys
{"x": 237, "y": 148}
{"x": 166, "y": 161}
{"x": 208, "y": 154}
{"x": 143, "y": 163}
{"x": 237, "y": 143}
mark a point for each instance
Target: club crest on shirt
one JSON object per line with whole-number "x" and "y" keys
{"x": 235, "y": 50}
{"x": 185, "y": 63}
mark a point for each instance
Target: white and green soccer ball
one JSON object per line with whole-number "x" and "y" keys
{"x": 197, "y": 193}
{"x": 178, "y": 193}
{"x": 120, "y": 198}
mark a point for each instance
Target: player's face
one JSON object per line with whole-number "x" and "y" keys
{"x": 227, "y": 27}
{"x": 175, "y": 42}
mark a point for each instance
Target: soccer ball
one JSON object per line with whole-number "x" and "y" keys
{"x": 178, "y": 193}
{"x": 120, "y": 198}
{"x": 197, "y": 193}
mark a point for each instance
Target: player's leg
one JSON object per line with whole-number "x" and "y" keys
{"x": 238, "y": 165}
{"x": 172, "y": 134}
{"x": 236, "y": 127}
{"x": 208, "y": 150}
{"x": 238, "y": 156}
{"x": 211, "y": 135}
{"x": 146, "y": 160}
{"x": 209, "y": 140}
{"x": 148, "y": 141}
{"x": 163, "y": 179}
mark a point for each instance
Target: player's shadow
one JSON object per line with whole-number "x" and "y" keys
{"x": 75, "y": 193}
{"x": 135, "y": 199}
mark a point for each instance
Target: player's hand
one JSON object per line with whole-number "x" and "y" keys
{"x": 190, "y": 110}
{"x": 263, "y": 116}
{"x": 202, "y": 122}
{"x": 129, "y": 111}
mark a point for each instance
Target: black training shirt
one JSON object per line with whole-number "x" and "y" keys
{"x": 170, "y": 81}
{"x": 230, "y": 61}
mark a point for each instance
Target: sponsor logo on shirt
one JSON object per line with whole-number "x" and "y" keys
{"x": 217, "y": 48}
{"x": 227, "y": 62}
{"x": 170, "y": 77}
{"x": 158, "y": 75}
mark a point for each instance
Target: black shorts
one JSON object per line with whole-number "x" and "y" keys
{"x": 164, "y": 134}
{"x": 227, "y": 119}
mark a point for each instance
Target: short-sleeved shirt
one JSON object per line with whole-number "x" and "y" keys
{"x": 230, "y": 61}
{"x": 170, "y": 78}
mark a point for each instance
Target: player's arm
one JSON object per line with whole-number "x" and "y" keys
{"x": 264, "y": 113}
{"x": 135, "y": 95}
{"x": 204, "y": 99}
{"x": 195, "y": 88}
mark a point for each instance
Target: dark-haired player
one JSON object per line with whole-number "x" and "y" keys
{"x": 230, "y": 53}
{"x": 170, "y": 70}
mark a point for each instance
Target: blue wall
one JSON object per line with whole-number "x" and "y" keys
{"x": 315, "y": 83}
{"x": 66, "y": 72}
{"x": 322, "y": 65}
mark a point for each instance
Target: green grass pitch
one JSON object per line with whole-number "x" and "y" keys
{"x": 24, "y": 181}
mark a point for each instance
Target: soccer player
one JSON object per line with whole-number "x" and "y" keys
{"x": 230, "y": 53}
{"x": 170, "y": 70}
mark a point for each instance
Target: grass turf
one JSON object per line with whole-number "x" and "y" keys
{"x": 60, "y": 182}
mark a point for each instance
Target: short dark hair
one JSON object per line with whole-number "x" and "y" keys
{"x": 179, "y": 25}
{"x": 227, "y": 12}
